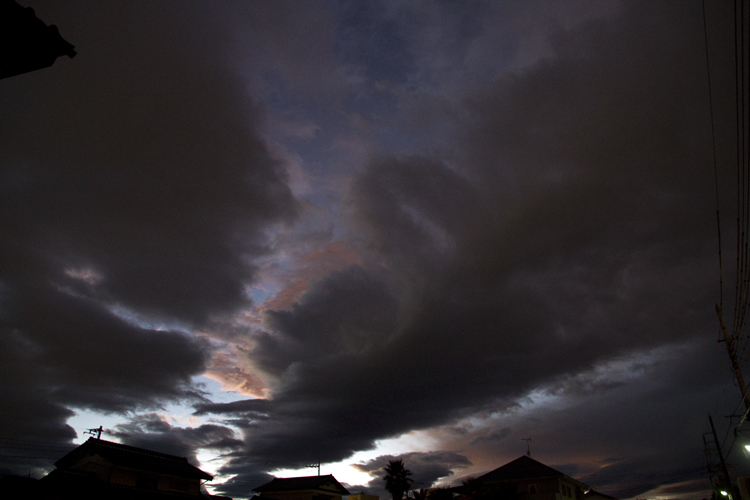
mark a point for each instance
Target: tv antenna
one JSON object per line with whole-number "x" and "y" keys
{"x": 528, "y": 446}
{"x": 313, "y": 466}
{"x": 97, "y": 432}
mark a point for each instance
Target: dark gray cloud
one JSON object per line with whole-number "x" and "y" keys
{"x": 494, "y": 436}
{"x": 249, "y": 474}
{"x": 146, "y": 170}
{"x": 62, "y": 351}
{"x": 135, "y": 191}
{"x": 354, "y": 309}
{"x": 94, "y": 359}
{"x": 555, "y": 239}
{"x": 153, "y": 432}
{"x": 574, "y": 227}
{"x": 638, "y": 434}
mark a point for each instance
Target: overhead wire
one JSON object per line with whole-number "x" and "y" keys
{"x": 737, "y": 342}
{"x": 742, "y": 279}
{"x": 713, "y": 147}
{"x": 743, "y": 166}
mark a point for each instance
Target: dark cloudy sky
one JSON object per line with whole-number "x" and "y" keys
{"x": 266, "y": 234}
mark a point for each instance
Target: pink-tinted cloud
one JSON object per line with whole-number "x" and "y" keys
{"x": 227, "y": 369}
{"x": 308, "y": 267}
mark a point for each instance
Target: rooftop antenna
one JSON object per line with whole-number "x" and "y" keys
{"x": 528, "y": 446}
{"x": 98, "y": 432}
{"x": 313, "y": 466}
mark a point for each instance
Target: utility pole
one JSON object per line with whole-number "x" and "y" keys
{"x": 732, "y": 350}
{"x": 724, "y": 468}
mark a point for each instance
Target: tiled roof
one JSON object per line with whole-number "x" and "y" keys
{"x": 301, "y": 483}
{"x": 135, "y": 458}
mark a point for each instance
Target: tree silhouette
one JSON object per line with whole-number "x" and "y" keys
{"x": 420, "y": 494}
{"x": 397, "y": 480}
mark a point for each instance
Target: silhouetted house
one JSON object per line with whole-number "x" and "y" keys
{"x": 302, "y": 488}
{"x": 526, "y": 479}
{"x": 26, "y": 43}
{"x": 100, "y": 469}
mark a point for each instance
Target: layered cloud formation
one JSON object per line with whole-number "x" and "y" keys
{"x": 474, "y": 224}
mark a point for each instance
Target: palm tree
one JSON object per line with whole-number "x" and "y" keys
{"x": 397, "y": 480}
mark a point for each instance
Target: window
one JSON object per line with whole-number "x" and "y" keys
{"x": 532, "y": 489}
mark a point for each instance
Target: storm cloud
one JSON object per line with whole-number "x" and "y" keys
{"x": 473, "y": 229}
{"x": 135, "y": 193}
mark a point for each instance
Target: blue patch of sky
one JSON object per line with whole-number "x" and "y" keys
{"x": 179, "y": 413}
{"x": 259, "y": 295}
{"x": 84, "y": 420}
{"x": 366, "y": 38}
{"x": 215, "y": 392}
{"x": 467, "y": 17}
{"x": 328, "y": 199}
{"x": 331, "y": 120}
{"x": 372, "y": 42}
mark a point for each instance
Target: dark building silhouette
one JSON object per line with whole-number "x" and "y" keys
{"x": 302, "y": 488}
{"x": 526, "y": 479}
{"x": 104, "y": 470}
{"x": 26, "y": 43}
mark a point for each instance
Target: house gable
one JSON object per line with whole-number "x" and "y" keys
{"x": 121, "y": 467}
{"x": 302, "y": 488}
{"x": 528, "y": 479}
